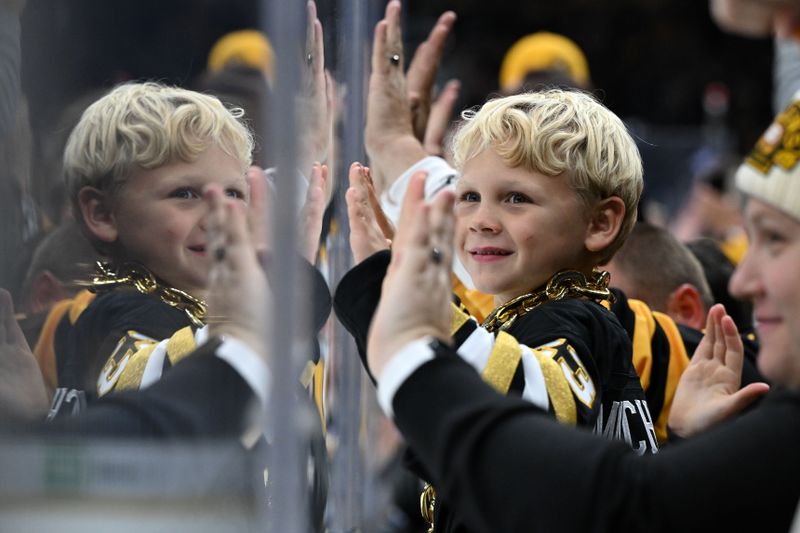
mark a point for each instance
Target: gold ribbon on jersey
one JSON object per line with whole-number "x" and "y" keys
{"x": 110, "y": 276}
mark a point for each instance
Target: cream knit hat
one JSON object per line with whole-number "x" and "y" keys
{"x": 771, "y": 171}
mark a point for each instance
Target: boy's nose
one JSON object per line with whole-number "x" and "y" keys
{"x": 484, "y": 219}
{"x": 203, "y": 222}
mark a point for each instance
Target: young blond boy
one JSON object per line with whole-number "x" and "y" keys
{"x": 548, "y": 190}
{"x": 136, "y": 165}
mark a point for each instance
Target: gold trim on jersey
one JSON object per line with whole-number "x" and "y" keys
{"x": 131, "y": 377}
{"x": 503, "y": 362}
{"x": 557, "y": 387}
{"x": 458, "y": 318}
{"x": 180, "y": 345}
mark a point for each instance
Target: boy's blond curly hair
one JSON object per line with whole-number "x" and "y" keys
{"x": 559, "y": 132}
{"x": 145, "y": 126}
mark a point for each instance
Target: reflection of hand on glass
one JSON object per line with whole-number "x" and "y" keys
{"x": 316, "y": 105}
{"x": 22, "y": 391}
{"x": 708, "y": 391}
{"x": 239, "y": 296}
{"x": 312, "y": 213}
{"x": 258, "y": 208}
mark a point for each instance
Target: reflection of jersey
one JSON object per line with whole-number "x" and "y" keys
{"x": 93, "y": 350}
{"x": 569, "y": 357}
{"x": 116, "y": 345}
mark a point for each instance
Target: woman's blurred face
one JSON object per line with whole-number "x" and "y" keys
{"x": 769, "y": 275}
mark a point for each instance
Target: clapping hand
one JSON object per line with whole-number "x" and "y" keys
{"x": 708, "y": 391}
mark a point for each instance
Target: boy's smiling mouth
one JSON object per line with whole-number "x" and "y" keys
{"x": 488, "y": 253}
{"x": 198, "y": 249}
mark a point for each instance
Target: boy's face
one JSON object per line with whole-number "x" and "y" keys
{"x": 160, "y": 217}
{"x": 767, "y": 275}
{"x": 515, "y": 228}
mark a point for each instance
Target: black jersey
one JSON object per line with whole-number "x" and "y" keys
{"x": 571, "y": 358}
{"x": 115, "y": 323}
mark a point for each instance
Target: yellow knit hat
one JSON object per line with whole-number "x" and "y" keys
{"x": 244, "y": 47}
{"x": 542, "y": 51}
{"x": 770, "y": 172}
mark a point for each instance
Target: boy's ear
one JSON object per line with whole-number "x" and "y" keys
{"x": 605, "y": 223}
{"x": 97, "y": 214}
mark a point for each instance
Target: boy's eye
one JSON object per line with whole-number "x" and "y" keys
{"x": 517, "y": 198}
{"x": 234, "y": 193}
{"x": 184, "y": 193}
{"x": 469, "y": 196}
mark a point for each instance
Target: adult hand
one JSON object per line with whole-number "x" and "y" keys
{"x": 415, "y": 298}
{"x": 368, "y": 233}
{"x": 239, "y": 298}
{"x": 756, "y": 18}
{"x": 708, "y": 391}
{"x": 422, "y": 71}
{"x": 389, "y": 134}
{"x": 439, "y": 118}
{"x": 22, "y": 390}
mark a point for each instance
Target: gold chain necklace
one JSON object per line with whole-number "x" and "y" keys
{"x": 565, "y": 284}
{"x": 109, "y": 276}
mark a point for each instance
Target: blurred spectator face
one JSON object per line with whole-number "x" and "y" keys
{"x": 768, "y": 276}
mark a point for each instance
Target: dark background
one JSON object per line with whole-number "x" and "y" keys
{"x": 650, "y": 60}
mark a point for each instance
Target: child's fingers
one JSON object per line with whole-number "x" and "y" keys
{"x": 380, "y": 216}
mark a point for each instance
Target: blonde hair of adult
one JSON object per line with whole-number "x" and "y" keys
{"x": 146, "y": 126}
{"x": 557, "y": 132}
